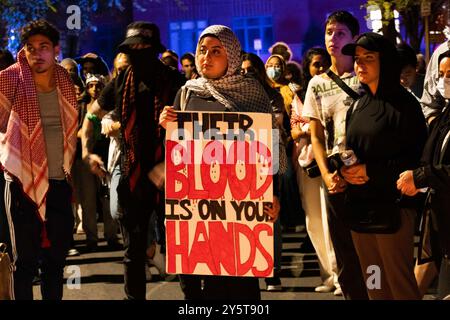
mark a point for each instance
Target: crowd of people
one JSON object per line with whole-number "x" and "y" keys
{"x": 363, "y": 140}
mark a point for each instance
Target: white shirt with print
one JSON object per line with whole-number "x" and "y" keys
{"x": 327, "y": 102}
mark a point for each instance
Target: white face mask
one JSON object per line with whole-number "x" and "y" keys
{"x": 273, "y": 73}
{"x": 443, "y": 86}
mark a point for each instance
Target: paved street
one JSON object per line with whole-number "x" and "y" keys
{"x": 102, "y": 275}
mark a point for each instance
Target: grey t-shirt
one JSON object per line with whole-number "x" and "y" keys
{"x": 53, "y": 133}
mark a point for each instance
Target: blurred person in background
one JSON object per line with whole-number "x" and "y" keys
{"x": 6, "y": 59}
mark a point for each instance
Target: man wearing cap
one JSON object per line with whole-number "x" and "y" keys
{"x": 137, "y": 95}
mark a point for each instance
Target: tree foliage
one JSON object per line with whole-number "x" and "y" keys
{"x": 16, "y": 13}
{"x": 412, "y": 20}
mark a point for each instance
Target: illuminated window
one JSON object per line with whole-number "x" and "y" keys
{"x": 254, "y": 33}
{"x": 184, "y": 35}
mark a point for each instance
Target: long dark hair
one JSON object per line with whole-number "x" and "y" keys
{"x": 307, "y": 59}
{"x": 296, "y": 71}
{"x": 259, "y": 69}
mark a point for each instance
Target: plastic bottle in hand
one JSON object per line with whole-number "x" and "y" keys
{"x": 348, "y": 157}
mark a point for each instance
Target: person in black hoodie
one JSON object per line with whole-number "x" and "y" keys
{"x": 434, "y": 174}
{"x": 386, "y": 130}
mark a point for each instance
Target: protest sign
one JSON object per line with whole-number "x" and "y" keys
{"x": 219, "y": 169}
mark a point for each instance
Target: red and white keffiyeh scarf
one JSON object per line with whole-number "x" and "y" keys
{"x": 22, "y": 143}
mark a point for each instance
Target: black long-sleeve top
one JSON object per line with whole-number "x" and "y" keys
{"x": 435, "y": 174}
{"x": 435, "y": 171}
{"x": 387, "y": 134}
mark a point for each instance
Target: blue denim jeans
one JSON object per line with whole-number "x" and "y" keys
{"x": 116, "y": 211}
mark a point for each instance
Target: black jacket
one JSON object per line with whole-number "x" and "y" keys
{"x": 387, "y": 132}
{"x": 154, "y": 87}
{"x": 435, "y": 174}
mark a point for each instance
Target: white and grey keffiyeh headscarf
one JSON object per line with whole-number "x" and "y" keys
{"x": 236, "y": 92}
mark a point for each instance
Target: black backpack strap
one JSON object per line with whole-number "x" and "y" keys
{"x": 343, "y": 85}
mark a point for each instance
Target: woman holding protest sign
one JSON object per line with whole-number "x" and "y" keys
{"x": 222, "y": 88}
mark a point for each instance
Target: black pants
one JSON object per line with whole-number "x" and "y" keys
{"x": 219, "y": 288}
{"x": 28, "y": 231}
{"x": 291, "y": 213}
{"x": 137, "y": 209}
{"x": 350, "y": 276}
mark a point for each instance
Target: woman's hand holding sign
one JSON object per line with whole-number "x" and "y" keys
{"x": 167, "y": 115}
{"x": 274, "y": 210}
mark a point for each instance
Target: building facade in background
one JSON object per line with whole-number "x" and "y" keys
{"x": 257, "y": 23}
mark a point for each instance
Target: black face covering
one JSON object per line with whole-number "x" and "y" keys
{"x": 139, "y": 57}
{"x": 143, "y": 60}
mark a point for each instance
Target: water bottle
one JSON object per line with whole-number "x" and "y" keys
{"x": 104, "y": 187}
{"x": 348, "y": 157}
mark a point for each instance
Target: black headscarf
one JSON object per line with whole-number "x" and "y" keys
{"x": 389, "y": 88}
